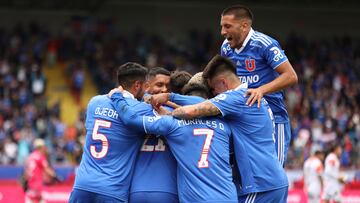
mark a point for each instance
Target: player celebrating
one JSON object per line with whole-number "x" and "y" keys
{"x": 154, "y": 178}
{"x": 201, "y": 148}
{"x": 313, "y": 171}
{"x": 158, "y": 80}
{"x": 262, "y": 179}
{"x": 111, "y": 147}
{"x": 261, "y": 63}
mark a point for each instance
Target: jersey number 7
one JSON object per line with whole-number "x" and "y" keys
{"x": 203, "y": 162}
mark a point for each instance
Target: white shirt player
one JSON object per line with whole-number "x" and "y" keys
{"x": 313, "y": 170}
{"x": 332, "y": 186}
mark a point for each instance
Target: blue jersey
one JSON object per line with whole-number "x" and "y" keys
{"x": 253, "y": 131}
{"x": 201, "y": 148}
{"x": 110, "y": 149}
{"x": 155, "y": 167}
{"x": 256, "y": 62}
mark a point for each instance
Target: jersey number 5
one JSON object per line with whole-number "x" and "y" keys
{"x": 97, "y": 136}
{"x": 203, "y": 162}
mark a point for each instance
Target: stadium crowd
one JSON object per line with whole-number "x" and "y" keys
{"x": 323, "y": 107}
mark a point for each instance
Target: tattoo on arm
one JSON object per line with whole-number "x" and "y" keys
{"x": 202, "y": 109}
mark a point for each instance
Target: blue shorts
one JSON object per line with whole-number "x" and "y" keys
{"x": 272, "y": 196}
{"x": 82, "y": 196}
{"x": 282, "y": 141}
{"x": 153, "y": 197}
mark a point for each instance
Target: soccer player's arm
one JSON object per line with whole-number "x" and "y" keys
{"x": 319, "y": 172}
{"x": 160, "y": 99}
{"x": 222, "y": 104}
{"x": 126, "y": 114}
{"x": 277, "y": 60}
{"x": 147, "y": 124}
{"x": 185, "y": 99}
{"x": 203, "y": 109}
{"x": 47, "y": 169}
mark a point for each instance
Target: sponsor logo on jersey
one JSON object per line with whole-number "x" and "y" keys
{"x": 249, "y": 79}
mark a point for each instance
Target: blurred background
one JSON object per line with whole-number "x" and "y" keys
{"x": 55, "y": 55}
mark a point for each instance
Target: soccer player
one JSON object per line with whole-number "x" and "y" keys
{"x": 332, "y": 178}
{"x": 201, "y": 148}
{"x": 154, "y": 178}
{"x": 178, "y": 80}
{"x": 313, "y": 171}
{"x": 261, "y": 63}
{"x": 110, "y": 149}
{"x": 36, "y": 166}
{"x": 158, "y": 80}
{"x": 262, "y": 178}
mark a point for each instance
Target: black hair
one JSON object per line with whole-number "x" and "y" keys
{"x": 158, "y": 71}
{"x": 334, "y": 146}
{"x": 218, "y": 64}
{"x": 130, "y": 72}
{"x": 178, "y": 80}
{"x": 318, "y": 152}
{"x": 239, "y": 11}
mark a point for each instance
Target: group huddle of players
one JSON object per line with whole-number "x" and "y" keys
{"x": 162, "y": 137}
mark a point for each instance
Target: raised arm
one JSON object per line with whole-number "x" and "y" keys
{"x": 203, "y": 109}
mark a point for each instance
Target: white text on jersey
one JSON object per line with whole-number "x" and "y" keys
{"x": 106, "y": 112}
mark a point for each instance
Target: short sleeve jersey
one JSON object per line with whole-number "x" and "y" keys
{"x": 255, "y": 63}
{"x": 253, "y": 138}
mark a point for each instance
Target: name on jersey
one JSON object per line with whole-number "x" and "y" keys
{"x": 249, "y": 79}
{"x": 106, "y": 112}
{"x": 211, "y": 124}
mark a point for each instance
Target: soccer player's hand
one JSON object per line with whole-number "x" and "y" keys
{"x": 57, "y": 179}
{"x": 118, "y": 89}
{"x": 162, "y": 111}
{"x": 147, "y": 99}
{"x": 172, "y": 104}
{"x": 159, "y": 99}
{"x": 255, "y": 96}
